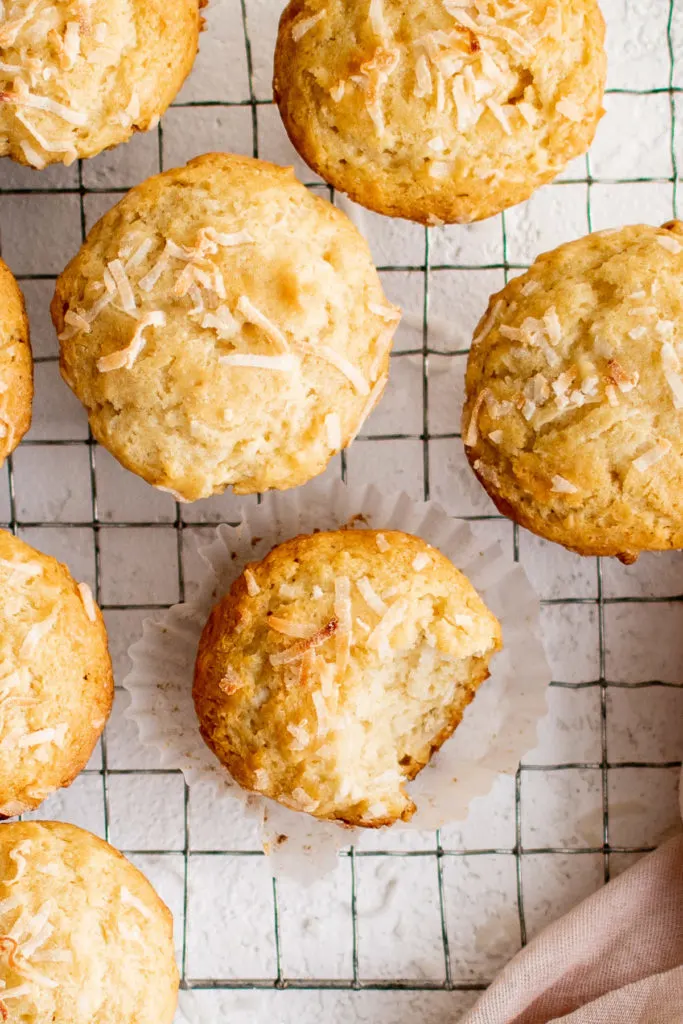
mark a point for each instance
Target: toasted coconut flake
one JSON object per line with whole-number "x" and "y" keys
{"x": 376, "y": 16}
{"x": 303, "y": 801}
{"x": 88, "y": 602}
{"x": 36, "y": 633}
{"x": 75, "y": 319}
{"x": 421, "y": 561}
{"x": 570, "y": 109}
{"x": 389, "y": 313}
{"x": 301, "y": 735}
{"x": 297, "y": 630}
{"x": 513, "y": 333}
{"x": 117, "y": 271}
{"x": 342, "y": 611}
{"x": 297, "y": 650}
{"x": 254, "y": 316}
{"x": 23, "y": 97}
{"x": 624, "y": 380}
{"x": 304, "y": 25}
{"x": 423, "y": 78}
{"x": 528, "y": 112}
{"x": 140, "y": 254}
{"x": 131, "y": 900}
{"x": 252, "y": 586}
{"x": 341, "y": 363}
{"x": 636, "y": 333}
{"x": 553, "y": 326}
{"x": 562, "y": 486}
{"x": 670, "y": 244}
{"x": 333, "y": 429}
{"x": 231, "y": 682}
{"x": 472, "y": 434}
{"x": 370, "y": 596}
{"x": 337, "y": 91}
{"x": 489, "y": 322}
{"x": 150, "y": 279}
{"x": 16, "y": 993}
{"x": 381, "y": 634}
{"x": 223, "y": 322}
{"x": 40, "y": 736}
{"x": 500, "y": 115}
{"x": 34, "y": 158}
{"x": 287, "y": 363}
{"x": 317, "y": 592}
{"x": 363, "y": 624}
{"x": 652, "y": 456}
{"x": 530, "y": 287}
{"x": 612, "y": 397}
{"x": 125, "y": 358}
{"x": 382, "y": 543}
{"x": 463, "y": 621}
{"x": 16, "y": 855}
{"x": 496, "y": 436}
{"x": 28, "y": 569}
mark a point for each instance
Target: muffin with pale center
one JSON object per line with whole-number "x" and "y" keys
{"x": 574, "y": 394}
{"x": 224, "y": 327}
{"x": 84, "y": 938}
{"x": 56, "y": 682}
{"x": 16, "y": 365}
{"x": 334, "y": 669}
{"x": 79, "y": 76}
{"x": 440, "y": 110}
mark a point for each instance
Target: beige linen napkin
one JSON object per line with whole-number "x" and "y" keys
{"x": 616, "y": 958}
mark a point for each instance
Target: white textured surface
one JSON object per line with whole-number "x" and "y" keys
{"x": 401, "y": 910}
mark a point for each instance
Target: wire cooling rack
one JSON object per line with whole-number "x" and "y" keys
{"x": 409, "y": 924}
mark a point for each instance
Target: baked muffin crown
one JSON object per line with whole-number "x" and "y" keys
{"x": 85, "y": 937}
{"x": 574, "y": 394}
{"x": 336, "y": 666}
{"x": 440, "y": 111}
{"x": 56, "y": 683}
{"x": 16, "y": 365}
{"x": 224, "y": 326}
{"x": 80, "y": 77}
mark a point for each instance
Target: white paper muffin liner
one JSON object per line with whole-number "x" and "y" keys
{"x": 497, "y": 729}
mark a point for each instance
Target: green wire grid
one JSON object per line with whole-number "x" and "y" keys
{"x": 439, "y": 853}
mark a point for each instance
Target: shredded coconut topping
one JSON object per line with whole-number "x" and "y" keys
{"x": 370, "y": 596}
{"x": 380, "y": 636}
{"x": 88, "y": 602}
{"x": 304, "y": 25}
{"x": 382, "y": 543}
{"x": 670, "y": 244}
{"x": 254, "y": 316}
{"x": 333, "y": 429}
{"x": 134, "y": 901}
{"x": 125, "y": 358}
{"x": 341, "y": 363}
{"x": 562, "y": 486}
{"x": 298, "y": 650}
{"x": 287, "y": 363}
{"x": 652, "y": 456}
{"x": 252, "y": 586}
{"x": 421, "y": 561}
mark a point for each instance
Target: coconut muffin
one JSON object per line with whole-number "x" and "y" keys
{"x": 84, "y": 938}
{"x": 79, "y": 76}
{"x": 16, "y": 365}
{"x": 56, "y": 684}
{"x": 440, "y": 110}
{"x": 574, "y": 394}
{"x": 335, "y": 667}
{"x": 224, "y": 326}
